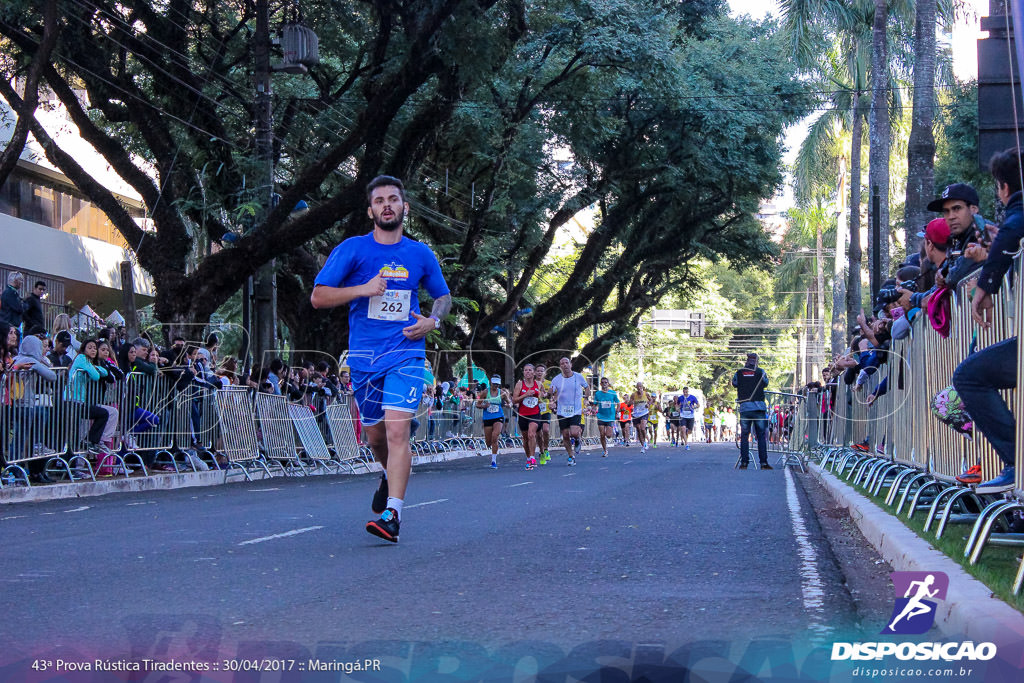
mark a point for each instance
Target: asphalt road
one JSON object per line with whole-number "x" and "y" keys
{"x": 616, "y": 555}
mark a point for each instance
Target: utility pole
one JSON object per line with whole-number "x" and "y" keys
{"x": 265, "y": 282}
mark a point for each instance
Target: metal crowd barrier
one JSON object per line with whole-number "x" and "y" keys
{"x": 277, "y": 434}
{"x": 343, "y": 435}
{"x": 314, "y": 447}
{"x": 240, "y": 441}
{"x": 920, "y": 457}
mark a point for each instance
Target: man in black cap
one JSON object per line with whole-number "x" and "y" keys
{"x": 958, "y": 204}
{"x": 750, "y": 382}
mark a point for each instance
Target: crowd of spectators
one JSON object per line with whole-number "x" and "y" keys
{"x": 959, "y": 246}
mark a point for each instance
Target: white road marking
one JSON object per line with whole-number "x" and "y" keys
{"x": 148, "y": 502}
{"x": 81, "y": 509}
{"x": 293, "y": 532}
{"x": 14, "y": 517}
{"x": 258, "y": 490}
{"x": 429, "y": 502}
{"x": 571, "y": 474}
{"x": 811, "y": 585}
{"x": 525, "y": 483}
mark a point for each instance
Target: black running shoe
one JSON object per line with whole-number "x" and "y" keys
{"x": 380, "y": 497}
{"x": 386, "y": 527}
{"x": 766, "y": 466}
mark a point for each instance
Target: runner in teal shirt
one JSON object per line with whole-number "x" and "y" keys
{"x": 606, "y": 401}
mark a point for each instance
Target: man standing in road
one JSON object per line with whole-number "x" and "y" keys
{"x": 568, "y": 390}
{"x": 379, "y": 276}
{"x": 750, "y": 382}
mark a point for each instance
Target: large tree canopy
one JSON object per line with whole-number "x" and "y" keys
{"x": 506, "y": 117}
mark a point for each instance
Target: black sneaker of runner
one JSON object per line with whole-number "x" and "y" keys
{"x": 386, "y": 527}
{"x": 380, "y": 497}
{"x": 766, "y": 466}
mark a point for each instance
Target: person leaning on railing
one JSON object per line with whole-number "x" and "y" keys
{"x": 83, "y": 386}
{"x": 30, "y": 417}
{"x": 981, "y": 375}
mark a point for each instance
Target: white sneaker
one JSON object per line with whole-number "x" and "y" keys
{"x": 604, "y": 454}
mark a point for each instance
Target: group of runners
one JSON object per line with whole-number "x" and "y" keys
{"x": 568, "y": 395}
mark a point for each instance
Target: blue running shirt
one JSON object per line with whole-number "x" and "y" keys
{"x": 375, "y": 338}
{"x": 607, "y": 402}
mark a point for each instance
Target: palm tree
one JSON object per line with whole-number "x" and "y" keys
{"x": 845, "y": 71}
{"x": 880, "y": 136}
{"x": 921, "y": 147}
{"x": 800, "y": 282}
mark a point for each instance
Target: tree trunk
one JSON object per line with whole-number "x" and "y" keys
{"x": 808, "y": 350}
{"x": 853, "y": 296}
{"x": 878, "y": 128}
{"x": 839, "y": 266}
{"x": 819, "y": 296}
{"x": 921, "y": 146}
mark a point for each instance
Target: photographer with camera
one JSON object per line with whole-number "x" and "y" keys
{"x": 969, "y": 233}
{"x": 936, "y": 247}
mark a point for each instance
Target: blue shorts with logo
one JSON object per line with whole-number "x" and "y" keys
{"x": 397, "y": 388}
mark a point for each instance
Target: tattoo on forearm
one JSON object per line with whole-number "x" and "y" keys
{"x": 442, "y": 306}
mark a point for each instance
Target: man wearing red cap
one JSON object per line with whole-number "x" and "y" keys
{"x": 936, "y": 245}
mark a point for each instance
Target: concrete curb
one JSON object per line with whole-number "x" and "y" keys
{"x": 167, "y": 482}
{"x": 970, "y": 611}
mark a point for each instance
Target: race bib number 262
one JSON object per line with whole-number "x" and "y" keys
{"x": 392, "y": 305}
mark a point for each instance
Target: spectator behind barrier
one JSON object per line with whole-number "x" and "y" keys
{"x": 32, "y": 317}
{"x": 11, "y": 306}
{"x": 62, "y": 323}
{"x": 83, "y": 383}
{"x": 31, "y": 413}
{"x": 59, "y": 357}
{"x": 981, "y": 375}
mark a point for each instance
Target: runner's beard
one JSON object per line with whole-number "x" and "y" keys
{"x": 391, "y": 225}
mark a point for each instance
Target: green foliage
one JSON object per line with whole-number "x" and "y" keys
{"x": 738, "y": 316}
{"x": 664, "y": 116}
{"x": 956, "y": 144}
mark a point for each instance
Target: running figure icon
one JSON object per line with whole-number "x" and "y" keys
{"x": 916, "y": 605}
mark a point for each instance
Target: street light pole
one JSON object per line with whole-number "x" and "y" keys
{"x": 265, "y": 285}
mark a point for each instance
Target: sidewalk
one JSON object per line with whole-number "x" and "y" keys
{"x": 969, "y": 612}
{"x": 162, "y": 481}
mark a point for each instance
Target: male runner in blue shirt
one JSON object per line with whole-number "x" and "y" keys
{"x": 379, "y": 275}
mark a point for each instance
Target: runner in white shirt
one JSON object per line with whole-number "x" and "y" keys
{"x": 568, "y": 390}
